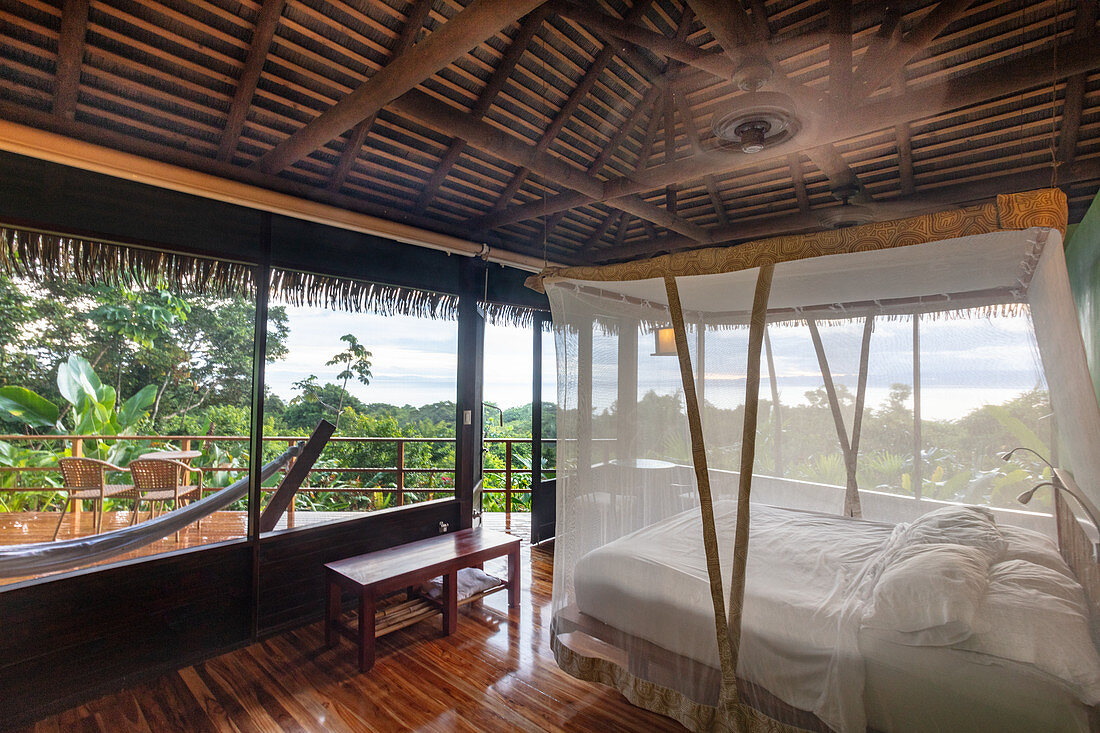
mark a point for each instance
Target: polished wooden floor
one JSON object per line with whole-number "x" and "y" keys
{"x": 495, "y": 674}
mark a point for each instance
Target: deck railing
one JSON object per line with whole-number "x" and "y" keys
{"x": 74, "y": 445}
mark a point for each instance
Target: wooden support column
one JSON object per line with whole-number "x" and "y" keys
{"x": 471, "y": 360}
{"x": 256, "y": 428}
{"x": 536, "y": 401}
{"x": 543, "y": 493}
{"x": 627, "y": 399}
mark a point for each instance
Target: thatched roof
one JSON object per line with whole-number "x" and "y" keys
{"x": 582, "y": 132}
{"x": 38, "y": 256}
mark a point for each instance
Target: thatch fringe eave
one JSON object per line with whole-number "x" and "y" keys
{"x": 41, "y": 256}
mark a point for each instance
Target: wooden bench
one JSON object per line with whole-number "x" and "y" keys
{"x": 375, "y": 574}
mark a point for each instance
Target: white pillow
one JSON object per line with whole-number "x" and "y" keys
{"x": 960, "y": 525}
{"x": 1038, "y": 616}
{"x": 930, "y": 592}
{"x": 1027, "y": 544}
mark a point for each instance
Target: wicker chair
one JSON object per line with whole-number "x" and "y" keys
{"x": 161, "y": 479}
{"x": 86, "y": 479}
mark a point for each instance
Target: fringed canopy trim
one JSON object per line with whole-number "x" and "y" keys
{"x": 41, "y": 256}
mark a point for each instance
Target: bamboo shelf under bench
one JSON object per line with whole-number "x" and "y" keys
{"x": 374, "y": 575}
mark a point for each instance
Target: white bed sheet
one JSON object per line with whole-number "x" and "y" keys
{"x": 801, "y": 627}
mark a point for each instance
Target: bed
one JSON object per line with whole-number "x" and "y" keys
{"x": 870, "y": 373}
{"x": 810, "y": 639}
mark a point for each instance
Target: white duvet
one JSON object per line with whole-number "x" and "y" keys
{"x": 811, "y": 586}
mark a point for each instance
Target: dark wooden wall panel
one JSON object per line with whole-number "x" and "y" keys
{"x": 68, "y": 639}
{"x": 291, "y": 577}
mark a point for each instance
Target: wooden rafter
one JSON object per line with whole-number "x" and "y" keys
{"x": 70, "y": 56}
{"x": 266, "y": 23}
{"x": 493, "y": 87}
{"x": 1077, "y": 56}
{"x": 716, "y": 64}
{"x": 840, "y": 50}
{"x": 937, "y": 200}
{"x": 794, "y": 162}
{"x": 491, "y": 139}
{"x": 913, "y": 43}
{"x": 413, "y": 23}
{"x": 576, "y": 96}
{"x": 885, "y": 39}
{"x": 697, "y": 148}
{"x": 1084, "y": 24}
{"x": 470, "y": 26}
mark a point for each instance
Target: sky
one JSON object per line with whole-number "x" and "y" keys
{"x": 966, "y": 363}
{"x": 413, "y": 359}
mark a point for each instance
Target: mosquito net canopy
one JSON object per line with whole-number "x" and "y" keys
{"x": 781, "y": 494}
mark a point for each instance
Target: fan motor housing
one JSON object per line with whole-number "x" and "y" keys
{"x": 759, "y": 121}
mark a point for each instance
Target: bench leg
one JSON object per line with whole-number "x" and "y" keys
{"x": 450, "y": 602}
{"x": 513, "y": 576}
{"x": 366, "y": 630}
{"x": 332, "y": 612}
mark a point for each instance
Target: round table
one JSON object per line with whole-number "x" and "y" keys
{"x": 173, "y": 455}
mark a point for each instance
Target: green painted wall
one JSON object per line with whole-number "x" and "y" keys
{"x": 1083, "y": 263}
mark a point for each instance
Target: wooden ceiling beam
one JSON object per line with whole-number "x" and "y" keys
{"x": 413, "y": 23}
{"x": 267, "y": 21}
{"x": 840, "y": 50}
{"x": 885, "y": 39}
{"x": 527, "y": 30}
{"x": 717, "y": 64}
{"x": 70, "y": 56}
{"x": 914, "y": 42}
{"x": 697, "y": 147}
{"x": 422, "y": 107}
{"x": 470, "y": 27}
{"x": 576, "y": 96}
{"x": 938, "y": 200}
{"x": 1076, "y": 56}
{"x": 1084, "y": 24}
{"x": 794, "y": 162}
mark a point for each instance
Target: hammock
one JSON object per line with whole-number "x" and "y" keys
{"x": 38, "y": 558}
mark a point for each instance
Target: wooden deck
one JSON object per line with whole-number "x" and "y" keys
{"x": 18, "y": 528}
{"x": 495, "y": 674}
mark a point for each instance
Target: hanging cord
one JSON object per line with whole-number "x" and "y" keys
{"x": 1053, "y": 144}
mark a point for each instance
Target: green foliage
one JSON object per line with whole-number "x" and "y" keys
{"x": 28, "y": 407}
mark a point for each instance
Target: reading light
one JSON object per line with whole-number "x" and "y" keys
{"x": 664, "y": 342}
{"x": 1061, "y": 481}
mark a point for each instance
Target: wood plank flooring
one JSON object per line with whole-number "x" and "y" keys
{"x": 495, "y": 674}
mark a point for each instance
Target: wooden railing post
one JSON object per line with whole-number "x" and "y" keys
{"x": 290, "y": 507}
{"x": 400, "y": 501}
{"x": 78, "y": 504}
{"x": 508, "y": 476}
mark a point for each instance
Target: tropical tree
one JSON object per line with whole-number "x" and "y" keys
{"x": 356, "y": 362}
